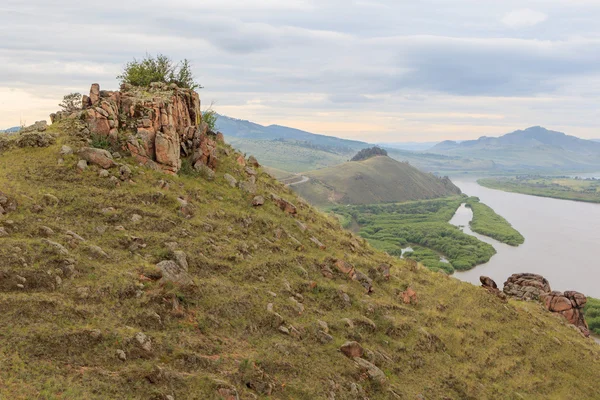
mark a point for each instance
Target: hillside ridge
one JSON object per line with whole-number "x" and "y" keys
{"x": 122, "y": 280}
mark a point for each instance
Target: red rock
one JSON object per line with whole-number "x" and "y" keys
{"x": 352, "y": 349}
{"x": 409, "y": 296}
{"x": 97, "y": 156}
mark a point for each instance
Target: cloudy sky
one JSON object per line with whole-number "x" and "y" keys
{"x": 377, "y": 70}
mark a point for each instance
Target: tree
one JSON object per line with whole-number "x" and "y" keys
{"x": 158, "y": 69}
{"x": 71, "y": 102}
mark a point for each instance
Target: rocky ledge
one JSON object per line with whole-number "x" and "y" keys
{"x": 533, "y": 287}
{"x": 160, "y": 125}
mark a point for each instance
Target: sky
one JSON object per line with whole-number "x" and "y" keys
{"x": 374, "y": 70}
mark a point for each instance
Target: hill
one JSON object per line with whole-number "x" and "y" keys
{"x": 141, "y": 270}
{"x": 297, "y": 151}
{"x": 535, "y": 148}
{"x": 378, "y": 179}
{"x": 14, "y": 129}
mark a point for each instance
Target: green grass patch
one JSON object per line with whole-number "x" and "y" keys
{"x": 565, "y": 188}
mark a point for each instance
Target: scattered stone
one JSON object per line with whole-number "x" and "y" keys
{"x": 57, "y": 247}
{"x": 96, "y": 251}
{"x": 125, "y": 173}
{"x": 297, "y": 305}
{"x": 231, "y": 180}
{"x": 143, "y": 341}
{"x": 98, "y": 157}
{"x": 74, "y": 236}
{"x": 241, "y": 161}
{"x": 103, "y": 173}
{"x": 173, "y": 272}
{"x": 248, "y": 187}
{"x": 250, "y": 171}
{"x": 409, "y": 296}
{"x": 135, "y": 218}
{"x": 352, "y": 349}
{"x": 284, "y": 205}
{"x": 82, "y": 165}
{"x": 258, "y": 201}
{"x": 489, "y": 284}
{"x": 66, "y": 150}
{"x": 253, "y": 161}
{"x": 181, "y": 259}
{"x": 374, "y": 373}
{"x": 204, "y": 171}
{"x": 3, "y": 232}
{"x": 318, "y": 243}
{"x": 35, "y": 139}
{"x": 121, "y": 355}
{"x": 301, "y": 226}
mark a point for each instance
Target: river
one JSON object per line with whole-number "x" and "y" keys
{"x": 562, "y": 239}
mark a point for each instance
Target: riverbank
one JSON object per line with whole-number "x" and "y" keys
{"x": 565, "y": 188}
{"x": 560, "y": 244}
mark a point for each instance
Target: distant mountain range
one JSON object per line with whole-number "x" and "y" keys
{"x": 14, "y": 129}
{"x": 532, "y": 148}
{"x": 378, "y": 179}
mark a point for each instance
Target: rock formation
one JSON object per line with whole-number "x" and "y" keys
{"x": 570, "y": 305}
{"x": 526, "y": 286}
{"x": 159, "y": 125}
{"x": 490, "y": 285}
{"x": 535, "y": 287}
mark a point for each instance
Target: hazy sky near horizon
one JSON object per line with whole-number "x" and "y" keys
{"x": 375, "y": 70}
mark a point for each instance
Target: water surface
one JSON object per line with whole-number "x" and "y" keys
{"x": 562, "y": 239}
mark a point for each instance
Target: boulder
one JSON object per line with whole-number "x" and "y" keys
{"x": 374, "y": 373}
{"x": 570, "y": 305}
{"x": 491, "y": 286}
{"x": 173, "y": 272}
{"x": 98, "y": 157}
{"x": 258, "y": 201}
{"x": 526, "y": 286}
{"x": 352, "y": 349}
{"x": 284, "y": 205}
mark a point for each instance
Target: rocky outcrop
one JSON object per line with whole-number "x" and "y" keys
{"x": 535, "y": 287}
{"x": 490, "y": 285}
{"x": 160, "y": 125}
{"x": 526, "y": 286}
{"x": 570, "y": 305}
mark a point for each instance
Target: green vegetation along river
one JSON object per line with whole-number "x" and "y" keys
{"x": 566, "y": 188}
{"x": 561, "y": 239}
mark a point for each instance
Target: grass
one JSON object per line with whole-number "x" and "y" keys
{"x": 392, "y": 227}
{"x": 487, "y": 222}
{"x": 586, "y": 190}
{"x": 592, "y": 314}
{"x": 59, "y": 337}
{"x": 375, "y": 180}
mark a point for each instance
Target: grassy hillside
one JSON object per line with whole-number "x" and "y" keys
{"x": 565, "y": 188}
{"x": 86, "y": 315}
{"x": 487, "y": 222}
{"x": 290, "y": 156}
{"x": 592, "y": 315}
{"x": 375, "y": 180}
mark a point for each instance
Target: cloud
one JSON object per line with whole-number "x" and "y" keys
{"x": 402, "y": 68}
{"x": 523, "y": 18}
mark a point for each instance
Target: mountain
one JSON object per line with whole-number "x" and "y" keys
{"x": 378, "y": 179}
{"x": 14, "y": 129}
{"x": 192, "y": 274}
{"x": 535, "y": 148}
{"x": 295, "y": 151}
{"x": 411, "y": 146}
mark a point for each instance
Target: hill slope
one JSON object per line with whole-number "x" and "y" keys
{"x": 532, "y": 148}
{"x": 375, "y": 180}
{"x": 155, "y": 286}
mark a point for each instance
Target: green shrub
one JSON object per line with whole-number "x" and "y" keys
{"x": 158, "y": 69}
{"x": 210, "y": 117}
{"x": 71, "y": 102}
